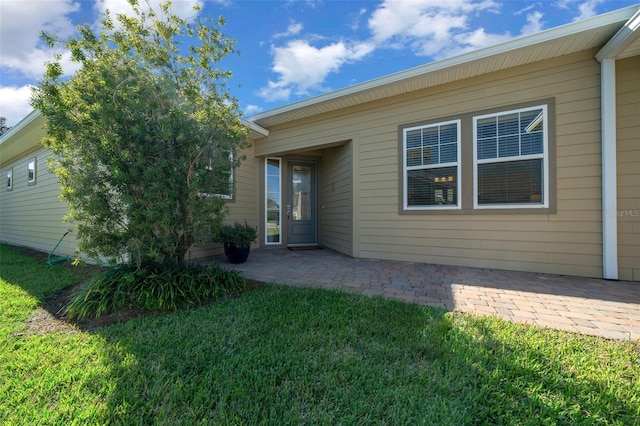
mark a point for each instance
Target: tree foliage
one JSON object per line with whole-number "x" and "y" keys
{"x": 145, "y": 133}
{"x": 3, "y": 126}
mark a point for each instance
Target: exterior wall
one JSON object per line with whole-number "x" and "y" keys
{"x": 628, "y": 144}
{"x": 565, "y": 242}
{"x": 243, "y": 206}
{"x": 335, "y": 195}
{"x": 31, "y": 215}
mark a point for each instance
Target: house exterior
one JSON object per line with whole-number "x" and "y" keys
{"x": 521, "y": 156}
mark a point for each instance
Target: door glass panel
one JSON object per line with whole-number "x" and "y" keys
{"x": 273, "y": 201}
{"x": 301, "y": 193}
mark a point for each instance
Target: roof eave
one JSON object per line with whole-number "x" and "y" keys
{"x": 21, "y": 124}
{"x": 628, "y": 34}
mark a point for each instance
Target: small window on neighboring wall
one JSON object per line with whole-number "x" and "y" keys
{"x": 9, "y": 179}
{"x": 31, "y": 171}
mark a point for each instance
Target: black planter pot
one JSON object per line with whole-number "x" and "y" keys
{"x": 235, "y": 254}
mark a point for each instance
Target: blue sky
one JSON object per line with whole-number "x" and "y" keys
{"x": 292, "y": 50}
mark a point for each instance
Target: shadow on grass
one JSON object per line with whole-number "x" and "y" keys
{"x": 281, "y": 355}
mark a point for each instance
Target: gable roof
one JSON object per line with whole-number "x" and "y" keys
{"x": 570, "y": 38}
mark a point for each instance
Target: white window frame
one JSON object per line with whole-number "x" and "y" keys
{"x": 457, "y": 164}
{"x": 266, "y": 201}
{"x": 32, "y": 180}
{"x": 9, "y": 175}
{"x": 544, "y": 204}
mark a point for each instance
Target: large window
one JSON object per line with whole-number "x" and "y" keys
{"x": 273, "y": 201}
{"x": 510, "y": 159}
{"x": 431, "y": 156}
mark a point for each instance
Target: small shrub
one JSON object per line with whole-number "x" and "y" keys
{"x": 152, "y": 286}
{"x": 239, "y": 235}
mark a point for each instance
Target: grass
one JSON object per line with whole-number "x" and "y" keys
{"x": 280, "y": 355}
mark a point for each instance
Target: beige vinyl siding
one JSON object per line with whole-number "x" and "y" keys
{"x": 567, "y": 242}
{"x": 243, "y": 206}
{"x": 32, "y": 215}
{"x": 628, "y": 132}
{"x": 335, "y": 199}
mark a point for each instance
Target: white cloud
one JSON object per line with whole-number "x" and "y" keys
{"x": 431, "y": 27}
{"x": 252, "y": 109}
{"x": 14, "y": 103}
{"x": 182, "y": 8}
{"x": 293, "y": 29}
{"x": 303, "y": 67}
{"x": 22, "y": 22}
{"x": 534, "y": 24}
{"x": 23, "y": 54}
{"x": 355, "y": 24}
{"x": 586, "y": 8}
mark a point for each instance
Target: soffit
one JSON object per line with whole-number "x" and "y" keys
{"x": 632, "y": 50}
{"x": 568, "y": 39}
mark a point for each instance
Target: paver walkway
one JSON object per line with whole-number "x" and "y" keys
{"x": 589, "y": 306}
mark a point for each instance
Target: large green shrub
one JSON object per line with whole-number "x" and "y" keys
{"x": 153, "y": 286}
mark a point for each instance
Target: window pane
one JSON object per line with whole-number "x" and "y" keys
{"x": 430, "y": 155}
{"x": 414, "y": 157}
{"x": 430, "y": 136}
{"x": 514, "y": 182}
{"x": 449, "y": 133}
{"x": 509, "y": 146}
{"x": 487, "y": 128}
{"x": 508, "y": 125}
{"x": 531, "y": 143}
{"x": 273, "y": 201}
{"x": 301, "y": 205}
{"x": 528, "y": 117}
{"x": 487, "y": 148}
{"x": 449, "y": 153}
{"x": 432, "y": 187}
{"x": 414, "y": 139}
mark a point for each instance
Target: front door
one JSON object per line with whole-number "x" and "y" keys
{"x": 301, "y": 207}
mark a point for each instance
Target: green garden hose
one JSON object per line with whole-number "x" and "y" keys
{"x": 58, "y": 259}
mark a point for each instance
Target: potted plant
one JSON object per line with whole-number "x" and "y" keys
{"x": 237, "y": 239}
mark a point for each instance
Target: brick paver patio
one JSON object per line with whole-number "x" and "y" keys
{"x": 596, "y": 307}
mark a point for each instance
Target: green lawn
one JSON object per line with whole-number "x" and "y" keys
{"x": 280, "y": 355}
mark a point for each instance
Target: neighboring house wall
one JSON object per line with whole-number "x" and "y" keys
{"x": 565, "y": 242}
{"x": 31, "y": 215}
{"x": 628, "y": 132}
{"x": 335, "y": 193}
